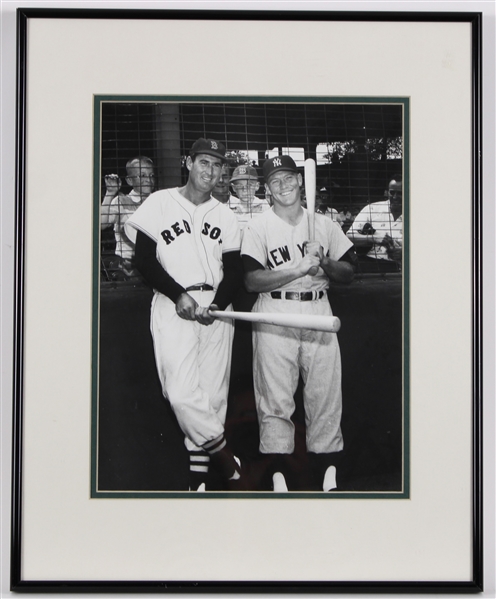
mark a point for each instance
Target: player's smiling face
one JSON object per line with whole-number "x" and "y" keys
{"x": 204, "y": 172}
{"x": 284, "y": 187}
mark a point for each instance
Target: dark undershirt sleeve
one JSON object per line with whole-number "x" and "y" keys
{"x": 232, "y": 281}
{"x": 151, "y": 269}
{"x": 350, "y": 256}
{"x": 250, "y": 264}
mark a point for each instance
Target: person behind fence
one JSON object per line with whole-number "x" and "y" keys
{"x": 188, "y": 250}
{"x": 246, "y": 205}
{"x": 245, "y": 184}
{"x": 221, "y": 191}
{"x": 325, "y": 204}
{"x": 379, "y": 228}
{"x": 292, "y": 275}
{"x": 116, "y": 208}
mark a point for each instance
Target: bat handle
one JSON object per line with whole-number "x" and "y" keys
{"x": 311, "y": 234}
{"x": 311, "y": 227}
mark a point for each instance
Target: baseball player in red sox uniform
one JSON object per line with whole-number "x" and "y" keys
{"x": 277, "y": 259}
{"x": 187, "y": 249}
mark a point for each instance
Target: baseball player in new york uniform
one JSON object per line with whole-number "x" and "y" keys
{"x": 277, "y": 260}
{"x": 187, "y": 248}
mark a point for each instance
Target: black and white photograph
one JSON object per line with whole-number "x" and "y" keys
{"x": 246, "y": 297}
{"x": 252, "y": 269}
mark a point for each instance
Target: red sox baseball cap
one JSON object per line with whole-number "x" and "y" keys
{"x": 244, "y": 172}
{"x": 279, "y": 163}
{"x": 208, "y": 146}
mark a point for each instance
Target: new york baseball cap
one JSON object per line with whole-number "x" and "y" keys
{"x": 278, "y": 163}
{"x": 244, "y": 172}
{"x": 208, "y": 146}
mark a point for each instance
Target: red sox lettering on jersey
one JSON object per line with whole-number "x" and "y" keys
{"x": 170, "y": 234}
{"x": 187, "y": 234}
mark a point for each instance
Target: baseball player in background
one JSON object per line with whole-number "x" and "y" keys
{"x": 277, "y": 259}
{"x": 187, "y": 249}
{"x": 245, "y": 184}
{"x": 116, "y": 208}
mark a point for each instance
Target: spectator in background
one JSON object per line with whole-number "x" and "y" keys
{"x": 342, "y": 217}
{"x": 117, "y": 208}
{"x": 379, "y": 228}
{"x": 245, "y": 206}
{"x": 245, "y": 184}
{"x": 221, "y": 190}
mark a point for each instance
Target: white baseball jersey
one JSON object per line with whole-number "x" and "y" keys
{"x": 280, "y": 354}
{"x": 190, "y": 239}
{"x": 193, "y": 360}
{"x": 276, "y": 245}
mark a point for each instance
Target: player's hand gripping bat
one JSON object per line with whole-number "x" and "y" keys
{"x": 315, "y": 322}
{"x": 310, "y": 192}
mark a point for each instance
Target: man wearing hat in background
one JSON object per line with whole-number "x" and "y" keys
{"x": 187, "y": 249}
{"x": 221, "y": 191}
{"x": 277, "y": 258}
{"x": 246, "y": 205}
{"x": 245, "y": 184}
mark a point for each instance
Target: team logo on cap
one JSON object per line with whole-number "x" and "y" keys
{"x": 213, "y": 145}
{"x": 242, "y": 170}
{"x": 277, "y": 162}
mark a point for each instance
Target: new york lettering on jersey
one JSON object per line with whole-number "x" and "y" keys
{"x": 279, "y": 256}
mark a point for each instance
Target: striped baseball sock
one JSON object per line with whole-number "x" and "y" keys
{"x": 223, "y": 458}
{"x": 198, "y": 469}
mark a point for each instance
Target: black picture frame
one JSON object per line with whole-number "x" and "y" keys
{"x": 475, "y": 584}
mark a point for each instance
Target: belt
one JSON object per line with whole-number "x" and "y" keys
{"x": 301, "y": 296}
{"x": 202, "y": 287}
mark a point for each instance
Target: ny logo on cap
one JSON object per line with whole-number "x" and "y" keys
{"x": 277, "y": 162}
{"x": 213, "y": 145}
{"x": 242, "y": 170}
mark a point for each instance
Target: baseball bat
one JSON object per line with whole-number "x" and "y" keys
{"x": 332, "y": 324}
{"x": 310, "y": 192}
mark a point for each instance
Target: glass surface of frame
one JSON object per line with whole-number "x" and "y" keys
{"x": 108, "y": 441}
